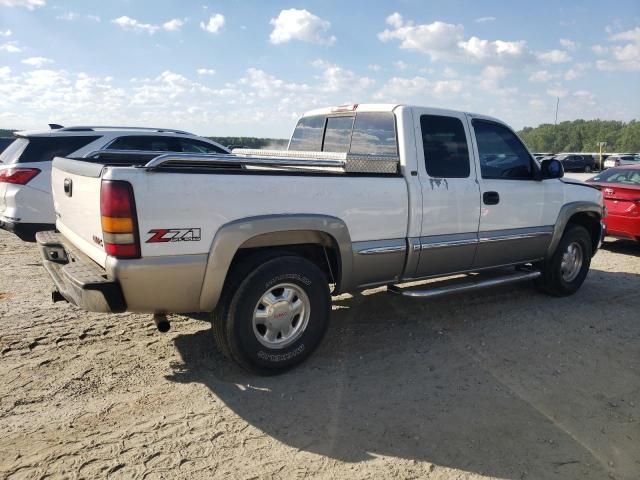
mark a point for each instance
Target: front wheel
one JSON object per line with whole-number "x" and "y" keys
{"x": 564, "y": 273}
{"x": 587, "y": 169}
{"x": 276, "y": 317}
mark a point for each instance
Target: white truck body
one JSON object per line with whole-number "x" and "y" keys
{"x": 374, "y": 228}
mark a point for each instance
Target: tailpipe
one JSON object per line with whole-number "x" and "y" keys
{"x": 56, "y": 297}
{"x": 161, "y": 322}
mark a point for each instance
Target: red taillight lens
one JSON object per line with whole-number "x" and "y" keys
{"x": 18, "y": 176}
{"x": 119, "y": 219}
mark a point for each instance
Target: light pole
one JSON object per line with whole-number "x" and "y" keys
{"x": 601, "y": 144}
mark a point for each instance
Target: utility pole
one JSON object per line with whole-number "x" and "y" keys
{"x": 557, "y": 105}
{"x": 555, "y": 124}
{"x": 601, "y": 144}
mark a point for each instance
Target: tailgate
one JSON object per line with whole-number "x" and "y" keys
{"x": 76, "y": 186}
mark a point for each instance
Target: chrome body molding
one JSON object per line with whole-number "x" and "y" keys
{"x": 270, "y": 230}
{"x": 518, "y": 245}
{"x": 507, "y": 235}
{"x": 378, "y": 262}
{"x": 441, "y": 254}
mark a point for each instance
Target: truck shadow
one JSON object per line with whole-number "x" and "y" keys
{"x": 482, "y": 383}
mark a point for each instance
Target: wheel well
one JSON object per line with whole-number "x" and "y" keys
{"x": 590, "y": 221}
{"x": 317, "y": 247}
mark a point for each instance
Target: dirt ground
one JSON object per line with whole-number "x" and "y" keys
{"x": 504, "y": 383}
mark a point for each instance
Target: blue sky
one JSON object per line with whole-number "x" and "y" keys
{"x": 251, "y": 67}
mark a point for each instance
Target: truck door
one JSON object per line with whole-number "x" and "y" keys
{"x": 518, "y": 211}
{"x": 450, "y": 193}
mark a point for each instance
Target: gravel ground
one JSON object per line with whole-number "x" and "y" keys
{"x": 506, "y": 383}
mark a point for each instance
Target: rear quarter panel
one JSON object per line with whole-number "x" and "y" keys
{"x": 373, "y": 208}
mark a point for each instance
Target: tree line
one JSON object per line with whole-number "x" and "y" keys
{"x": 583, "y": 136}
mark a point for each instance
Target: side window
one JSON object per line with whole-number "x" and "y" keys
{"x": 197, "y": 146}
{"x": 374, "y": 134}
{"x": 44, "y": 149}
{"x": 446, "y": 153}
{"x": 307, "y": 135}
{"x": 150, "y": 143}
{"x": 337, "y": 137}
{"x": 502, "y": 155}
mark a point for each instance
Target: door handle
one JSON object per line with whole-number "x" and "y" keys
{"x": 68, "y": 187}
{"x": 491, "y": 198}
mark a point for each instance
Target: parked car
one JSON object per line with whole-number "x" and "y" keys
{"x": 26, "y": 206}
{"x": 575, "y": 162}
{"x": 358, "y": 200}
{"x": 617, "y": 160}
{"x": 621, "y": 190}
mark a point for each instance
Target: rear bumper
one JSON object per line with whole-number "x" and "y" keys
{"x": 623, "y": 227}
{"x": 77, "y": 278}
{"x": 25, "y": 231}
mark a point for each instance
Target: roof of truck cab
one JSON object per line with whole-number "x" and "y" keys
{"x": 390, "y": 107}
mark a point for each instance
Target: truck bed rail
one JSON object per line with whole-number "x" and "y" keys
{"x": 270, "y": 159}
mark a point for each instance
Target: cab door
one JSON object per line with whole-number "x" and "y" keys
{"x": 518, "y": 210}
{"x": 450, "y": 193}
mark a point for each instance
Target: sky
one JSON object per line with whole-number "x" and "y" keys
{"x": 252, "y": 67}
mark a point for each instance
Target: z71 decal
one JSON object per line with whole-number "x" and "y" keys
{"x": 164, "y": 235}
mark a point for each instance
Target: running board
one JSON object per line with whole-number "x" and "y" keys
{"x": 465, "y": 284}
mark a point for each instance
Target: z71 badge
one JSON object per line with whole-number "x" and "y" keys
{"x": 164, "y": 235}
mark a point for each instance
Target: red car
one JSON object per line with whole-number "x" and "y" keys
{"x": 620, "y": 187}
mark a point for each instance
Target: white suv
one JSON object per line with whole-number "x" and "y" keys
{"x": 26, "y": 206}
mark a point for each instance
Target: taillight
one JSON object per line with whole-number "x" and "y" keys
{"x": 18, "y": 176}
{"x": 119, "y": 219}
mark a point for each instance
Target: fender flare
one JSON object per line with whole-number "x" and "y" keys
{"x": 566, "y": 212}
{"x": 231, "y": 236}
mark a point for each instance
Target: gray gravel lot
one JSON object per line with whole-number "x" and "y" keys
{"x": 506, "y": 383}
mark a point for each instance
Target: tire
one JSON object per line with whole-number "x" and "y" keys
{"x": 587, "y": 169}
{"x": 562, "y": 282}
{"x": 260, "y": 323}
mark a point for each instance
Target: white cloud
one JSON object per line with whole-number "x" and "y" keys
{"x": 400, "y": 65}
{"x": 10, "y": 47}
{"x": 29, "y": 4}
{"x": 398, "y": 88}
{"x": 568, "y": 44}
{"x": 5, "y": 33}
{"x": 485, "y": 19}
{"x": 72, "y": 16}
{"x": 622, "y": 57}
{"x": 294, "y": 24}
{"x": 558, "y": 92}
{"x": 131, "y": 24}
{"x": 214, "y": 24}
{"x": 449, "y": 72}
{"x": 338, "y": 79}
{"x": 173, "y": 25}
{"x": 5, "y": 72}
{"x": 541, "y": 76}
{"x": 446, "y": 41}
{"x": 374, "y": 67}
{"x": 37, "y": 62}
{"x": 491, "y": 78}
{"x": 554, "y": 56}
{"x": 576, "y": 71}
{"x": 206, "y": 71}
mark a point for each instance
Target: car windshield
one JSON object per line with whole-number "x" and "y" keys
{"x": 627, "y": 176}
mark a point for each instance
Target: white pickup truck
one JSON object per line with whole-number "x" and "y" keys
{"x": 366, "y": 195}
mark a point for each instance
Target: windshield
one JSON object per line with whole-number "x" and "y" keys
{"x": 12, "y": 153}
{"x": 627, "y": 176}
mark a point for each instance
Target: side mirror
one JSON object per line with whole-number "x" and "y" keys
{"x": 551, "y": 168}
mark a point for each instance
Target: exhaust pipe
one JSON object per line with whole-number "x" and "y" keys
{"x": 161, "y": 322}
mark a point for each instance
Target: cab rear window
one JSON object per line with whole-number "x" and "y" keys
{"x": 370, "y": 133}
{"x": 43, "y": 149}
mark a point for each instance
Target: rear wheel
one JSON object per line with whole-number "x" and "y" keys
{"x": 564, "y": 273}
{"x": 275, "y": 317}
{"x": 587, "y": 169}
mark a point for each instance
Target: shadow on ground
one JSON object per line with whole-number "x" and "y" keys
{"x": 506, "y": 383}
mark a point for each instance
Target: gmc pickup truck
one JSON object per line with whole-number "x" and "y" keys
{"x": 366, "y": 195}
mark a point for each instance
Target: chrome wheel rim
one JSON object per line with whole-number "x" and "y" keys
{"x": 281, "y": 315}
{"x": 572, "y": 260}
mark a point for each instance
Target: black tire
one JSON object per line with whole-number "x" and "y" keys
{"x": 587, "y": 169}
{"x": 552, "y": 281}
{"x": 233, "y": 326}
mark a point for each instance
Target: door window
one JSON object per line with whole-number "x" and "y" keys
{"x": 197, "y": 146}
{"x": 445, "y": 146}
{"x": 502, "y": 154}
{"x": 149, "y": 143}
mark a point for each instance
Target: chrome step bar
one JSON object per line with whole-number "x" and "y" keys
{"x": 465, "y": 284}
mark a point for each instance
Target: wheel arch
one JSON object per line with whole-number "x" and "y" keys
{"x": 586, "y": 214}
{"x": 299, "y": 233}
